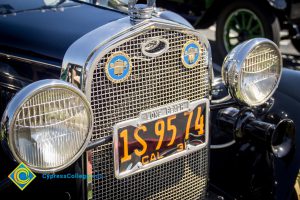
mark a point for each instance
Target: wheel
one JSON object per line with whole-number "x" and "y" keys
{"x": 243, "y": 20}
{"x": 296, "y": 44}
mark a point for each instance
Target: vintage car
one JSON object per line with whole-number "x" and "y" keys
{"x": 98, "y": 104}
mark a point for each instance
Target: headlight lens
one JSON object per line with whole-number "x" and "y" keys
{"x": 50, "y": 126}
{"x": 252, "y": 71}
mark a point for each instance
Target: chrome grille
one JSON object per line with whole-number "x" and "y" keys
{"x": 152, "y": 83}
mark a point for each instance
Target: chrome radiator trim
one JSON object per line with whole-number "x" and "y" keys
{"x": 87, "y": 48}
{"x": 86, "y": 54}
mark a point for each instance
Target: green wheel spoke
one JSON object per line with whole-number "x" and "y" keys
{"x": 243, "y": 20}
{"x": 235, "y": 28}
{"x": 254, "y": 28}
{"x": 237, "y": 22}
{"x": 245, "y": 24}
{"x": 249, "y": 22}
{"x": 256, "y": 33}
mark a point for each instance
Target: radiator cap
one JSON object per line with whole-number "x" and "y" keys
{"x": 140, "y": 12}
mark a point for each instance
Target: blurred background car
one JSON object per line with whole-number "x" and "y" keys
{"x": 236, "y": 20}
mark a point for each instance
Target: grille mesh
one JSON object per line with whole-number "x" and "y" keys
{"x": 152, "y": 83}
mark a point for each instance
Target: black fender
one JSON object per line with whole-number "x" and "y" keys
{"x": 287, "y": 104}
{"x": 17, "y": 71}
{"x": 278, "y": 4}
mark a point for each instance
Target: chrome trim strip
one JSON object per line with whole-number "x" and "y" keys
{"x": 222, "y": 146}
{"x": 12, "y": 109}
{"x": 89, "y": 171}
{"x": 172, "y": 16}
{"x": 99, "y": 142}
{"x": 9, "y": 56}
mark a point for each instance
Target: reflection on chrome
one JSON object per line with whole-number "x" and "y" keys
{"x": 48, "y": 125}
{"x": 252, "y": 71}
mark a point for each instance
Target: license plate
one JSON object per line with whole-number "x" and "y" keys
{"x": 160, "y": 135}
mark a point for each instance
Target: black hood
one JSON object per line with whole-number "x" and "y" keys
{"x": 47, "y": 32}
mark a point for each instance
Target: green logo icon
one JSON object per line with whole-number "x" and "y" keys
{"x": 22, "y": 176}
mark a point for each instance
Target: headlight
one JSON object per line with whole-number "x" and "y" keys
{"x": 48, "y": 125}
{"x": 252, "y": 71}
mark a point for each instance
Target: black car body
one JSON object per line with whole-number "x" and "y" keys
{"x": 59, "y": 41}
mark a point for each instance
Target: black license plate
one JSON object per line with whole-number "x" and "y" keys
{"x": 159, "y": 135}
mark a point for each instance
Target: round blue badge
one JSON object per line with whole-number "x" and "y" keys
{"x": 190, "y": 54}
{"x": 118, "y": 67}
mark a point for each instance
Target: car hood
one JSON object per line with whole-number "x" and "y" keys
{"x": 48, "y": 32}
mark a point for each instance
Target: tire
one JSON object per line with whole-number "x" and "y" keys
{"x": 296, "y": 44}
{"x": 296, "y": 192}
{"x": 243, "y": 20}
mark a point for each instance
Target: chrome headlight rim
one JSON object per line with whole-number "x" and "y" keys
{"x": 233, "y": 63}
{"x": 14, "y": 107}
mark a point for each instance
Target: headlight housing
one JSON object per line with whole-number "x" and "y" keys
{"x": 252, "y": 71}
{"x": 47, "y": 125}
